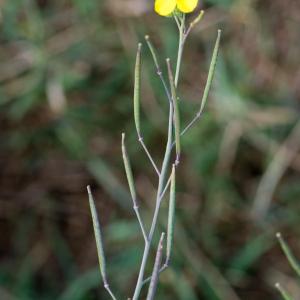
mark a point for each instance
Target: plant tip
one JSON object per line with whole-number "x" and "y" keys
{"x": 277, "y": 285}
{"x": 88, "y": 189}
{"x": 278, "y": 235}
{"x": 147, "y": 37}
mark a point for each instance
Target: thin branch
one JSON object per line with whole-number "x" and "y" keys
{"x": 171, "y": 216}
{"x": 162, "y": 269}
{"x": 106, "y": 286}
{"x": 141, "y": 140}
{"x": 165, "y": 188}
{"x": 137, "y": 212}
{"x": 177, "y": 21}
{"x": 194, "y": 120}
{"x": 156, "y": 269}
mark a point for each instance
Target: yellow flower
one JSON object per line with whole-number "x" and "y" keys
{"x": 166, "y": 7}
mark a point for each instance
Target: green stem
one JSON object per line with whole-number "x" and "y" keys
{"x": 166, "y": 160}
{"x": 180, "y": 49}
{"x": 156, "y": 268}
{"x": 161, "y": 182}
{"x": 288, "y": 253}
{"x": 283, "y": 292}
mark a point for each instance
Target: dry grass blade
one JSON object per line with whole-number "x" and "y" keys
{"x": 276, "y": 169}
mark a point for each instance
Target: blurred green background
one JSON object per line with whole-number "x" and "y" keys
{"x": 66, "y": 69}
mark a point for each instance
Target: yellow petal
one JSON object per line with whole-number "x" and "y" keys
{"x": 165, "y": 7}
{"x": 186, "y": 6}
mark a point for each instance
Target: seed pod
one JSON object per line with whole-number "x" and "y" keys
{"x": 176, "y": 111}
{"x": 128, "y": 171}
{"x": 153, "y": 53}
{"x": 98, "y": 236}
{"x": 137, "y": 90}
{"x": 211, "y": 72}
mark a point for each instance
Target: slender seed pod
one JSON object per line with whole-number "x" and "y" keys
{"x": 171, "y": 216}
{"x": 288, "y": 253}
{"x": 197, "y": 19}
{"x": 153, "y": 53}
{"x": 176, "y": 111}
{"x": 283, "y": 292}
{"x": 128, "y": 171}
{"x": 137, "y": 90}
{"x": 157, "y": 66}
{"x": 98, "y": 236}
{"x": 130, "y": 180}
{"x": 211, "y": 72}
{"x": 156, "y": 268}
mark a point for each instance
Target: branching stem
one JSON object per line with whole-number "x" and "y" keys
{"x": 157, "y": 205}
{"x": 163, "y": 268}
